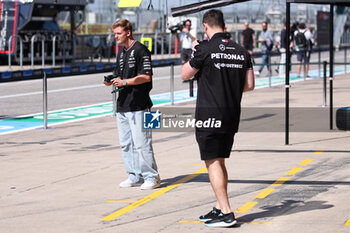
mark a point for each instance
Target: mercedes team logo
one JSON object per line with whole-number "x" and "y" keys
{"x": 222, "y": 47}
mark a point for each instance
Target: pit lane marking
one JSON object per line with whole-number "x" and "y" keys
{"x": 153, "y": 195}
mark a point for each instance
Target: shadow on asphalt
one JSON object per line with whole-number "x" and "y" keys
{"x": 204, "y": 178}
{"x": 287, "y": 207}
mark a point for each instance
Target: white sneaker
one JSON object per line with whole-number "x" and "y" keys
{"x": 129, "y": 183}
{"x": 150, "y": 184}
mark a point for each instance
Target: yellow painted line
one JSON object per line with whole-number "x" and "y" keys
{"x": 256, "y": 223}
{"x": 152, "y": 196}
{"x": 194, "y": 164}
{"x": 305, "y": 162}
{"x": 318, "y": 152}
{"x": 280, "y": 181}
{"x": 184, "y": 221}
{"x": 264, "y": 193}
{"x": 120, "y": 201}
{"x": 247, "y": 206}
{"x": 293, "y": 171}
{"x": 347, "y": 223}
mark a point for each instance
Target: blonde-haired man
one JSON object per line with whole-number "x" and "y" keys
{"x": 134, "y": 73}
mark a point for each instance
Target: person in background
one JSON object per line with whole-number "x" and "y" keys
{"x": 266, "y": 41}
{"x": 248, "y": 39}
{"x": 293, "y": 28}
{"x": 186, "y": 41}
{"x": 303, "y": 46}
{"x": 283, "y": 43}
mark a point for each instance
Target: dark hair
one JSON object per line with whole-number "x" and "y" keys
{"x": 214, "y": 18}
{"x": 302, "y": 26}
{"x": 187, "y": 20}
{"x": 294, "y": 27}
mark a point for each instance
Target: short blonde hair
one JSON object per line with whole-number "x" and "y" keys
{"x": 124, "y": 23}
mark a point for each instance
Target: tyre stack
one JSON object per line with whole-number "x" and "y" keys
{"x": 343, "y": 118}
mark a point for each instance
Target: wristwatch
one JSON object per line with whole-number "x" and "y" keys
{"x": 124, "y": 82}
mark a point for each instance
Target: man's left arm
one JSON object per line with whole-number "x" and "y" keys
{"x": 254, "y": 41}
{"x": 187, "y": 71}
{"x": 249, "y": 79}
{"x": 249, "y": 82}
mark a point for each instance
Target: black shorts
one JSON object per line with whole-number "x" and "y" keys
{"x": 248, "y": 47}
{"x": 303, "y": 56}
{"x": 214, "y": 145}
{"x": 186, "y": 54}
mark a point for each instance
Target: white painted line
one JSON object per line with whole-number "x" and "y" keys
{"x": 72, "y": 88}
{"x": 52, "y": 91}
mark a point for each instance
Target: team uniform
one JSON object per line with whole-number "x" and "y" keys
{"x": 222, "y": 65}
{"x": 135, "y": 142}
{"x": 131, "y": 62}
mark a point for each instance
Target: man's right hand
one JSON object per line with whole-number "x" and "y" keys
{"x": 108, "y": 80}
{"x": 107, "y": 83}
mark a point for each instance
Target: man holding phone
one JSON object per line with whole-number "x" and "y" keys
{"x": 134, "y": 73}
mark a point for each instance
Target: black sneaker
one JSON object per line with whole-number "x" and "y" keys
{"x": 223, "y": 220}
{"x": 211, "y": 215}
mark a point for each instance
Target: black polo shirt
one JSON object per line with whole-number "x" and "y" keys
{"x": 222, "y": 65}
{"x": 131, "y": 62}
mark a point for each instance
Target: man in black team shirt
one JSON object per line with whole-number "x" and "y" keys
{"x": 134, "y": 73}
{"x": 224, "y": 72}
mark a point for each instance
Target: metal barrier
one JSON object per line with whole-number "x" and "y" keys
{"x": 345, "y": 58}
{"x": 54, "y": 49}
{"x": 170, "y": 42}
{"x": 155, "y": 43}
{"x": 64, "y": 52}
{"x": 172, "y": 83}
{"x": 324, "y": 84}
{"x": 162, "y": 46}
{"x": 42, "y": 50}
{"x": 109, "y": 45}
{"x": 331, "y": 78}
{"x": 83, "y": 50}
{"x": 45, "y": 100}
{"x": 162, "y": 43}
{"x": 20, "y": 50}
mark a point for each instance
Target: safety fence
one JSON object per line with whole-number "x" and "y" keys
{"x": 61, "y": 55}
